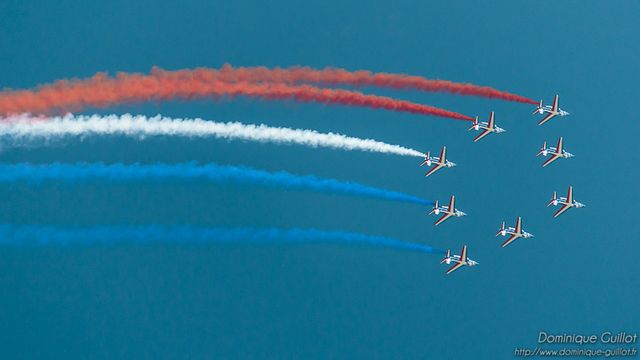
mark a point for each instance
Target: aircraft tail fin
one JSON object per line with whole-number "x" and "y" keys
{"x": 435, "y": 206}
{"x": 538, "y": 108}
{"x": 553, "y": 199}
{"x": 502, "y": 228}
{"x": 475, "y": 122}
{"x": 426, "y": 158}
{"x": 448, "y": 256}
{"x": 542, "y": 149}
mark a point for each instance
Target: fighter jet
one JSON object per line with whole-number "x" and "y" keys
{"x": 458, "y": 260}
{"x": 487, "y": 127}
{"x": 567, "y": 203}
{"x": 555, "y": 152}
{"x": 515, "y": 233}
{"x": 439, "y": 162}
{"x": 447, "y": 211}
{"x": 552, "y": 111}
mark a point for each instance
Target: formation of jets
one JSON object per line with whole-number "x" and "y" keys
{"x": 513, "y": 233}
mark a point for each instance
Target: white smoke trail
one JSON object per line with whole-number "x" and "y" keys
{"x": 25, "y": 130}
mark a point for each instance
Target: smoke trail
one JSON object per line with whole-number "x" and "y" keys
{"x": 193, "y": 172}
{"x": 21, "y": 130}
{"x": 34, "y": 235}
{"x": 332, "y": 76}
{"x": 102, "y": 91}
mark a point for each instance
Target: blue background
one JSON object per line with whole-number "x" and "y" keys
{"x": 579, "y": 274}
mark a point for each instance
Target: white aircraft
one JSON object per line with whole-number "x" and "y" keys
{"x": 567, "y": 203}
{"x": 458, "y": 260}
{"x": 439, "y": 162}
{"x": 552, "y": 111}
{"x": 447, "y": 211}
{"x": 515, "y": 233}
{"x": 487, "y": 127}
{"x": 555, "y": 152}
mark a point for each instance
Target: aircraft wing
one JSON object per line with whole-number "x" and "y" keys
{"x": 437, "y": 167}
{"x": 553, "y": 158}
{"x": 482, "y": 134}
{"x": 562, "y": 210}
{"x": 511, "y": 239}
{"x": 443, "y": 218}
{"x": 570, "y": 195}
{"x": 442, "y": 161}
{"x": 492, "y": 121}
{"x": 559, "y": 146}
{"x": 443, "y": 155}
{"x": 462, "y": 262}
{"x": 455, "y": 267}
{"x": 518, "y": 226}
{"x": 549, "y": 116}
{"x": 555, "y": 105}
{"x": 463, "y": 253}
{"x": 450, "y": 211}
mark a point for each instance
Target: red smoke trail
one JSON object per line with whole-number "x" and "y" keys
{"x": 331, "y": 76}
{"x": 103, "y": 91}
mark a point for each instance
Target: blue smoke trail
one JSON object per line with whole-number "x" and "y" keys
{"x": 192, "y": 171}
{"x": 36, "y": 235}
